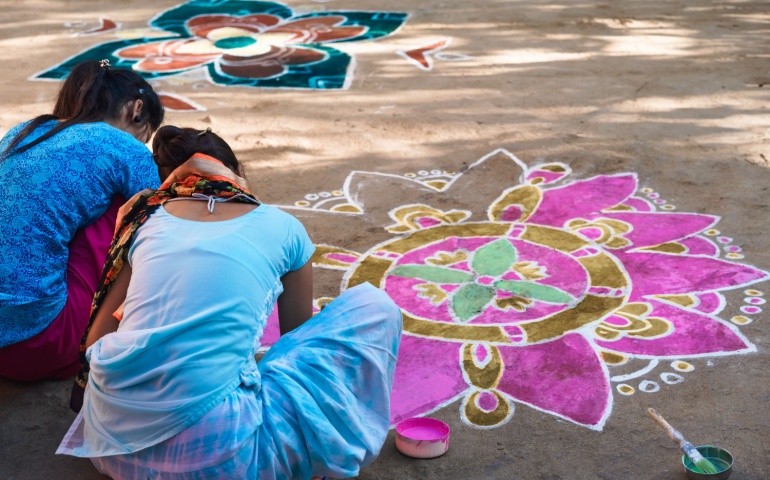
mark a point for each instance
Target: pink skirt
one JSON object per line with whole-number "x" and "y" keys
{"x": 54, "y": 352}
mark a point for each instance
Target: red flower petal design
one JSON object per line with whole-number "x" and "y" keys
{"x": 319, "y": 30}
{"x": 269, "y": 64}
{"x": 203, "y": 25}
{"x": 164, "y": 56}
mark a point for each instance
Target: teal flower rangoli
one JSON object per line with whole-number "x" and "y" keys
{"x": 244, "y": 42}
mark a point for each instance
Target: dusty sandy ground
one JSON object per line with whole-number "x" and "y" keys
{"x": 676, "y": 91}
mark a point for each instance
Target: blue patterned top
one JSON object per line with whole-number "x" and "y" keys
{"x": 47, "y": 193}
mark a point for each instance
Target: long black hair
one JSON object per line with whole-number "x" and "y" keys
{"x": 94, "y": 92}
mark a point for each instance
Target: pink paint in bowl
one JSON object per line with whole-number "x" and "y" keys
{"x": 422, "y": 437}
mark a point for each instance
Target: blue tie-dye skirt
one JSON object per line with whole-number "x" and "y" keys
{"x": 322, "y": 406}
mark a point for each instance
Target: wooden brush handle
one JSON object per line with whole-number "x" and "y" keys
{"x": 672, "y": 432}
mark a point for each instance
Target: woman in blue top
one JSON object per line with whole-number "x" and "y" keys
{"x": 62, "y": 178}
{"x": 173, "y": 389}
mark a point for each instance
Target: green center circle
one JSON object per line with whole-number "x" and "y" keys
{"x": 235, "y": 42}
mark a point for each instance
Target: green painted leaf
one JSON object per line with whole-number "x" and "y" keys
{"x": 494, "y": 258}
{"x": 544, "y": 293}
{"x": 432, "y": 274}
{"x": 470, "y": 300}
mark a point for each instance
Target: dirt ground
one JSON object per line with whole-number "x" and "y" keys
{"x": 675, "y": 91}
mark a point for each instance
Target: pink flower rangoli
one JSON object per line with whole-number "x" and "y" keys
{"x": 536, "y": 296}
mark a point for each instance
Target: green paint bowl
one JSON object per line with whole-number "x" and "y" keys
{"x": 721, "y": 458}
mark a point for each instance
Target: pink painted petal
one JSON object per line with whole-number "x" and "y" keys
{"x": 655, "y": 228}
{"x": 638, "y": 204}
{"x": 582, "y": 198}
{"x": 272, "y": 330}
{"x": 700, "y": 246}
{"x": 693, "y": 334}
{"x": 710, "y": 303}
{"x": 655, "y": 273}
{"x": 428, "y": 374}
{"x": 564, "y": 377}
{"x": 202, "y": 25}
{"x": 320, "y": 29}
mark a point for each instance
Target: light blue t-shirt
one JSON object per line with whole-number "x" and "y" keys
{"x": 195, "y": 309}
{"x": 47, "y": 193}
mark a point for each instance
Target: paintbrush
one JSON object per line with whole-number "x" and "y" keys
{"x": 702, "y": 464}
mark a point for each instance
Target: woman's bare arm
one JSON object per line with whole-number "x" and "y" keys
{"x": 295, "y": 305}
{"x": 104, "y": 322}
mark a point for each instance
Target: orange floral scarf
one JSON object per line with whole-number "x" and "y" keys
{"x": 201, "y": 174}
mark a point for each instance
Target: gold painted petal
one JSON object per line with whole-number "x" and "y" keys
{"x": 410, "y": 215}
{"x": 685, "y": 301}
{"x": 577, "y": 223}
{"x": 455, "y": 216}
{"x": 613, "y": 358}
{"x": 637, "y": 309}
{"x": 475, "y": 415}
{"x": 524, "y": 200}
{"x": 669, "y": 247}
{"x": 616, "y": 242}
{"x": 656, "y": 327}
{"x": 327, "y": 256}
{"x": 437, "y": 184}
{"x": 529, "y": 270}
{"x": 605, "y": 333}
{"x": 517, "y": 303}
{"x": 346, "y": 208}
{"x": 446, "y": 258}
{"x": 553, "y": 167}
{"x": 485, "y": 377}
{"x": 617, "y": 226}
{"x": 435, "y": 294}
{"x": 590, "y": 309}
{"x": 618, "y": 208}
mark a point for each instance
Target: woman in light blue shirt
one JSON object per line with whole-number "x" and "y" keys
{"x": 174, "y": 390}
{"x": 62, "y": 178}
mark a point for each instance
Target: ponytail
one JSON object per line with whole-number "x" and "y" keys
{"x": 172, "y": 146}
{"x": 93, "y": 92}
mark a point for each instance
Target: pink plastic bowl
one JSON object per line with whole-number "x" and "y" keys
{"x": 422, "y": 437}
